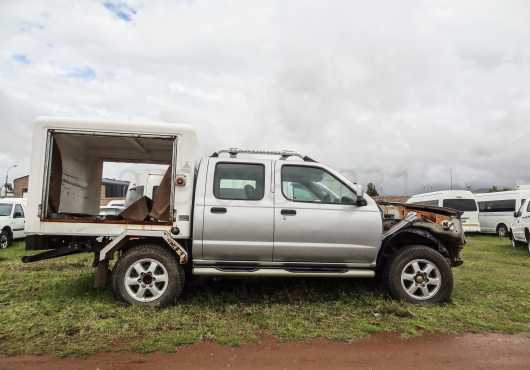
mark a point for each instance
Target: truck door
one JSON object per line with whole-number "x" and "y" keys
{"x": 238, "y": 211}
{"x": 317, "y": 221}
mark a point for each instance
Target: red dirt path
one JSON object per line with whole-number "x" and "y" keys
{"x": 468, "y": 351}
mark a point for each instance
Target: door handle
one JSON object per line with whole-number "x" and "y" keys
{"x": 288, "y": 212}
{"x": 218, "y": 210}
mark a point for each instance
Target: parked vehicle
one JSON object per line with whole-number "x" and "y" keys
{"x": 236, "y": 213}
{"x": 12, "y": 220}
{"x": 520, "y": 228}
{"x": 461, "y": 200}
{"x": 496, "y": 210}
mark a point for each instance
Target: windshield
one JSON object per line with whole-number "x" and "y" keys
{"x": 5, "y": 209}
{"x": 465, "y": 205}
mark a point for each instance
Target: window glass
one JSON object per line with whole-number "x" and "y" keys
{"x": 528, "y": 207}
{"x": 239, "y": 181}
{"x": 505, "y": 205}
{"x": 427, "y": 203}
{"x": 18, "y": 209}
{"x": 311, "y": 184}
{"x": 465, "y": 205}
{"x": 5, "y": 209}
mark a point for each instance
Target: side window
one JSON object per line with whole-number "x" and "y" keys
{"x": 18, "y": 212}
{"x": 528, "y": 207}
{"x": 315, "y": 185}
{"x": 239, "y": 181}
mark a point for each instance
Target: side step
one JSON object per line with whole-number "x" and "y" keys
{"x": 271, "y": 272}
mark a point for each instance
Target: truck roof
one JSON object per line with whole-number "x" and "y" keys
{"x": 101, "y": 125}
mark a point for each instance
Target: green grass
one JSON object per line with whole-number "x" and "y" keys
{"x": 51, "y": 306}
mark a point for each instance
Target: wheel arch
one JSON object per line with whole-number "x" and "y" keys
{"x": 8, "y": 229}
{"x": 409, "y": 237}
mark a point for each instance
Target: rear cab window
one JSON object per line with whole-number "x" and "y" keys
{"x": 239, "y": 181}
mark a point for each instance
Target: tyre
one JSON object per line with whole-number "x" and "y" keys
{"x": 502, "y": 230}
{"x": 148, "y": 274}
{"x": 5, "y": 239}
{"x": 419, "y": 274}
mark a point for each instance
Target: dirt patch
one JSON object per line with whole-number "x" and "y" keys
{"x": 469, "y": 351}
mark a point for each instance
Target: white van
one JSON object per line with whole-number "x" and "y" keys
{"x": 461, "y": 200}
{"x": 12, "y": 220}
{"x": 496, "y": 210}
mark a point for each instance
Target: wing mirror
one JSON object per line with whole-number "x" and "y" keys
{"x": 516, "y": 214}
{"x": 360, "y": 201}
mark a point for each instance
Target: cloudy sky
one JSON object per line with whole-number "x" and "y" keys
{"x": 398, "y": 93}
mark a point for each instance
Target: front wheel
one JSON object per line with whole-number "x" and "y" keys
{"x": 148, "y": 274}
{"x": 5, "y": 239}
{"x": 419, "y": 274}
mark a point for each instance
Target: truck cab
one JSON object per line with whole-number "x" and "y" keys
{"x": 279, "y": 215}
{"x": 238, "y": 213}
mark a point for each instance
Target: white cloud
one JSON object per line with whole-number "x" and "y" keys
{"x": 381, "y": 88}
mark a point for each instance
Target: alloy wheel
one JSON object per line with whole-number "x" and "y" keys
{"x": 421, "y": 279}
{"x": 146, "y": 280}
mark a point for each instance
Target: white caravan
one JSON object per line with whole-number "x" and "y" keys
{"x": 461, "y": 200}
{"x": 496, "y": 210}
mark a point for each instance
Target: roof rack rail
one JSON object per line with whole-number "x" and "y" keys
{"x": 284, "y": 154}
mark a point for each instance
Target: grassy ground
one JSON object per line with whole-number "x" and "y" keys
{"x": 51, "y": 307}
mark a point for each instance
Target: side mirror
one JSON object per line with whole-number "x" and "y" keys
{"x": 360, "y": 201}
{"x": 516, "y": 214}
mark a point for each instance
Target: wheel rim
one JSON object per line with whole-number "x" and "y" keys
{"x": 146, "y": 280}
{"x": 4, "y": 240}
{"x": 421, "y": 279}
{"x": 502, "y": 231}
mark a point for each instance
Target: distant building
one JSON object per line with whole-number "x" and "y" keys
{"x": 20, "y": 186}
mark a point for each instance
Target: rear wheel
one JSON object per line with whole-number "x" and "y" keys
{"x": 148, "y": 274}
{"x": 5, "y": 239}
{"x": 419, "y": 274}
{"x": 502, "y": 230}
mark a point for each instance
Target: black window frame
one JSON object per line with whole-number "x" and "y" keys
{"x": 462, "y": 199}
{"x": 306, "y": 201}
{"x": 493, "y": 206}
{"x": 21, "y": 210}
{"x": 217, "y": 196}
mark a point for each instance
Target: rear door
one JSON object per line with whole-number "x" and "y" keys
{"x": 317, "y": 221}
{"x": 238, "y": 211}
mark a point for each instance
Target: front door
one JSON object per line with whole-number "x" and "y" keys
{"x": 238, "y": 211}
{"x": 521, "y": 222}
{"x": 18, "y": 222}
{"x": 317, "y": 221}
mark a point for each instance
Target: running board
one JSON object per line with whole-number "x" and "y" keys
{"x": 270, "y": 272}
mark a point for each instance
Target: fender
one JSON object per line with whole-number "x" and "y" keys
{"x": 406, "y": 232}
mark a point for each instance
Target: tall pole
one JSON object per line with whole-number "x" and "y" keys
{"x": 7, "y": 178}
{"x": 451, "y": 176}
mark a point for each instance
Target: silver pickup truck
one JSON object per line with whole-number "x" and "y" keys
{"x": 238, "y": 213}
